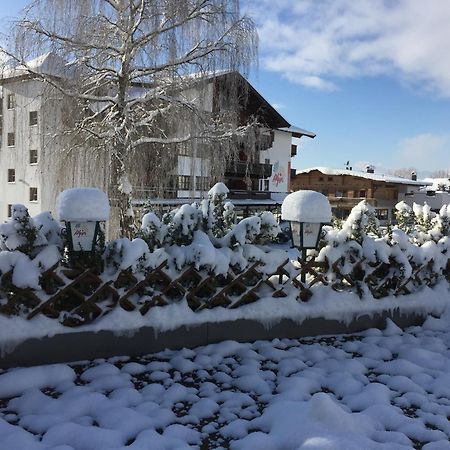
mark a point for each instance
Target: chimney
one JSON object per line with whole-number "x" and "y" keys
{"x": 414, "y": 176}
{"x": 370, "y": 169}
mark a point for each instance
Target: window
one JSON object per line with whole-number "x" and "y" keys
{"x": 9, "y": 210}
{"x": 184, "y": 182}
{"x": 11, "y": 101}
{"x": 330, "y": 179}
{"x": 33, "y": 118}
{"x": 382, "y": 214}
{"x": 201, "y": 183}
{"x": 33, "y": 156}
{"x": 184, "y": 149}
{"x": 362, "y": 193}
{"x": 11, "y": 175}
{"x": 33, "y": 194}
{"x": 11, "y": 139}
{"x": 339, "y": 194}
{"x": 266, "y": 185}
{"x": 267, "y": 161}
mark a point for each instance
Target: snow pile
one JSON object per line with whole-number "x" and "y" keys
{"x": 306, "y": 206}
{"x": 82, "y": 204}
{"x": 378, "y": 390}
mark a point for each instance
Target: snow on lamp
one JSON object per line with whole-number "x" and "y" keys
{"x": 82, "y": 209}
{"x": 307, "y": 212}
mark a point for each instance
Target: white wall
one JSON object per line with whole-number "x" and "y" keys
{"x": 280, "y": 157}
{"x": 27, "y": 97}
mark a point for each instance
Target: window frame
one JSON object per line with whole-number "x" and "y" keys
{"x": 13, "y": 139}
{"x": 34, "y": 124}
{"x": 11, "y": 176}
{"x": 10, "y": 101}
{"x": 33, "y": 198}
{"x": 184, "y": 182}
{"x": 33, "y": 163}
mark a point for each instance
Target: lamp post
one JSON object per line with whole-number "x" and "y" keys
{"x": 307, "y": 212}
{"x": 83, "y": 210}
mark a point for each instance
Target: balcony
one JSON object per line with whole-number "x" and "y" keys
{"x": 254, "y": 170}
{"x": 245, "y": 195}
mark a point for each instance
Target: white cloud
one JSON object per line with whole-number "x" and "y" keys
{"x": 316, "y": 42}
{"x": 425, "y": 151}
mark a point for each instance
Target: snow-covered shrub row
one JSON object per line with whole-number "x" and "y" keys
{"x": 29, "y": 246}
{"x": 360, "y": 255}
{"x": 205, "y": 235}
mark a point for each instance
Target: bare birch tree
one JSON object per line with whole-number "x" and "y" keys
{"x": 131, "y": 69}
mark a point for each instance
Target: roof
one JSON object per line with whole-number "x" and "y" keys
{"x": 367, "y": 175}
{"x": 49, "y": 64}
{"x": 438, "y": 184}
{"x": 255, "y": 103}
{"x": 298, "y": 132}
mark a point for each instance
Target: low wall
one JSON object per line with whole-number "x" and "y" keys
{"x": 103, "y": 344}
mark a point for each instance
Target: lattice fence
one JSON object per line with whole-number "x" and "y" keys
{"x": 76, "y": 297}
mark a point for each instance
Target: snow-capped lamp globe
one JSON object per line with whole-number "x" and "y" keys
{"x": 83, "y": 210}
{"x": 307, "y": 212}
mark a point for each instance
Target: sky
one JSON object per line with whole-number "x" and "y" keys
{"x": 370, "y": 77}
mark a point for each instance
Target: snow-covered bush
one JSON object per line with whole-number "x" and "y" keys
{"x": 123, "y": 254}
{"x": 404, "y": 216}
{"x": 218, "y": 214}
{"x": 21, "y": 233}
{"x": 153, "y": 231}
{"x": 214, "y": 216}
{"x": 269, "y": 228}
{"x": 183, "y": 223}
{"x": 361, "y": 222}
{"x": 50, "y": 228}
{"x": 393, "y": 260}
{"x": 204, "y": 235}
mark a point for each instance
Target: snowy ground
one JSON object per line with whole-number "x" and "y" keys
{"x": 376, "y": 390}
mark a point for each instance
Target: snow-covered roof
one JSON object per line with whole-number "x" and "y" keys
{"x": 306, "y": 206}
{"x": 48, "y": 63}
{"x": 369, "y": 176}
{"x": 298, "y": 132}
{"x": 438, "y": 184}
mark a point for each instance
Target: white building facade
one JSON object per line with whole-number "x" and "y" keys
{"x": 32, "y": 114}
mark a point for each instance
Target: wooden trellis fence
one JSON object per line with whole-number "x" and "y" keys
{"x": 76, "y": 297}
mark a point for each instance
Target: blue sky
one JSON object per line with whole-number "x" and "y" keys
{"x": 371, "y": 78}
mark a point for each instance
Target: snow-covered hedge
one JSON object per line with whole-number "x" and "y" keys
{"x": 361, "y": 256}
{"x": 28, "y": 246}
{"x": 205, "y": 235}
{"x": 357, "y": 256}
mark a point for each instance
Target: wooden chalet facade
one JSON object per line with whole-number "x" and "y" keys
{"x": 346, "y": 188}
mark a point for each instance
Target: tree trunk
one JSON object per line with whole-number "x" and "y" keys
{"x": 121, "y": 198}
